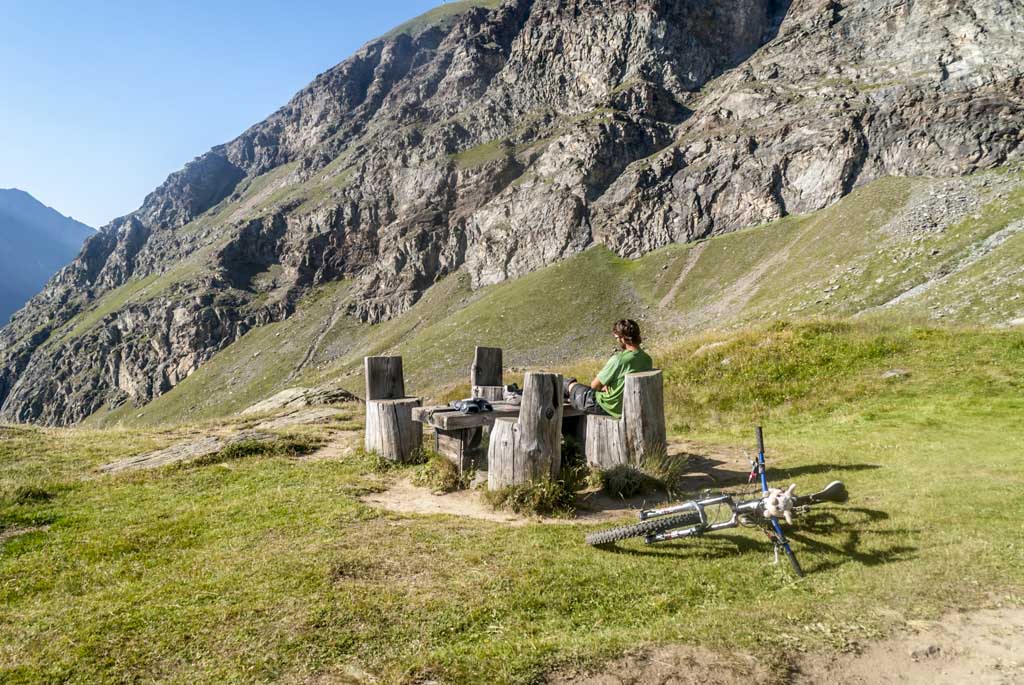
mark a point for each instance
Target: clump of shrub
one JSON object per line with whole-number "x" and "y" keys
{"x": 28, "y": 494}
{"x": 625, "y": 481}
{"x": 660, "y": 472}
{"x": 666, "y": 469}
{"x": 373, "y": 462}
{"x": 547, "y": 497}
{"x": 439, "y": 474}
{"x": 543, "y": 498}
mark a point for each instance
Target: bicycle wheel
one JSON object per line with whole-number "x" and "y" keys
{"x": 644, "y": 528}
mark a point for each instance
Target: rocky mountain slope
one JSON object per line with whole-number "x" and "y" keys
{"x": 37, "y": 241}
{"x": 506, "y": 138}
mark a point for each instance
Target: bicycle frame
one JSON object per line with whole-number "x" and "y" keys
{"x": 753, "y": 508}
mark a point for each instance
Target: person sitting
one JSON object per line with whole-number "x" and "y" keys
{"x": 604, "y": 395}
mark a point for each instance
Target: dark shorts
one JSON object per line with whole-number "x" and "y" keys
{"x": 583, "y": 398}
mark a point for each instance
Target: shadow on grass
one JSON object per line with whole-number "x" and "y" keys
{"x": 704, "y": 472}
{"x": 712, "y": 546}
{"x": 811, "y": 469}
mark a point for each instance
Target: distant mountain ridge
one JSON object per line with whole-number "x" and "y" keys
{"x": 37, "y": 242}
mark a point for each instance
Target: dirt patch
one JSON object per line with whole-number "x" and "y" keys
{"x": 979, "y": 647}
{"x": 672, "y": 665}
{"x": 405, "y": 498}
{"x": 11, "y": 533}
{"x": 343, "y": 444}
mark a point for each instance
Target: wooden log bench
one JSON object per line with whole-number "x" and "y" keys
{"x": 391, "y": 431}
{"x": 640, "y": 432}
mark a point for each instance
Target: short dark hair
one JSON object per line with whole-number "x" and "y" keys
{"x": 628, "y": 330}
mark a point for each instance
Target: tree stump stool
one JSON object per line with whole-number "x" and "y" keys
{"x": 390, "y": 430}
{"x": 640, "y": 431}
{"x": 529, "y": 449}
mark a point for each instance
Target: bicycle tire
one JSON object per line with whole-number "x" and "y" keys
{"x": 643, "y": 529}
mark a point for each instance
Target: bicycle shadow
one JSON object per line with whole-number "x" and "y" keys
{"x": 820, "y": 523}
{"x": 806, "y": 534}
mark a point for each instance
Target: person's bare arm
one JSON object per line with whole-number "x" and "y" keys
{"x": 597, "y": 385}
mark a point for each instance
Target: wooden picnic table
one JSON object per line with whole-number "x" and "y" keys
{"x": 459, "y": 436}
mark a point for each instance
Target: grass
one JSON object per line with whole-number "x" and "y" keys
{"x": 547, "y": 497}
{"x": 267, "y": 568}
{"x": 484, "y": 153}
{"x": 443, "y": 16}
{"x": 245, "y": 449}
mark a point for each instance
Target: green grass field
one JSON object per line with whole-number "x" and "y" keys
{"x": 269, "y": 568}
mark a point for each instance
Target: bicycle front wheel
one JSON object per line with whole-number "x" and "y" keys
{"x": 643, "y": 529}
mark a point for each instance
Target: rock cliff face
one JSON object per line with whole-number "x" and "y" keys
{"x": 505, "y": 141}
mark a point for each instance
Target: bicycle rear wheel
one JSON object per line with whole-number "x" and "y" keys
{"x": 643, "y": 529}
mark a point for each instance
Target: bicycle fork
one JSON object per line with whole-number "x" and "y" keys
{"x": 774, "y": 533}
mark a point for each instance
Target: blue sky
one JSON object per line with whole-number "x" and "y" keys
{"x": 100, "y": 101}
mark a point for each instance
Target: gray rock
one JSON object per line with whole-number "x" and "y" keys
{"x": 182, "y": 453}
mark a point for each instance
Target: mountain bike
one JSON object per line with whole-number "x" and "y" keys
{"x": 690, "y": 519}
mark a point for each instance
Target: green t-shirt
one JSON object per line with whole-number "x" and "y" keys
{"x": 613, "y": 375}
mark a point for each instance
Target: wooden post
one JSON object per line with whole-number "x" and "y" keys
{"x": 643, "y": 413}
{"x": 390, "y": 430}
{"x": 529, "y": 449}
{"x": 486, "y": 369}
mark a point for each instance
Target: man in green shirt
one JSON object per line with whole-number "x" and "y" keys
{"x": 604, "y": 395}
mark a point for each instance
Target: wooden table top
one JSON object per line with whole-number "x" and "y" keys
{"x": 447, "y": 418}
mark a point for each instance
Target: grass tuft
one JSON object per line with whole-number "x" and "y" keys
{"x": 440, "y": 475}
{"x": 544, "y": 498}
{"x": 665, "y": 469}
{"x": 625, "y": 481}
{"x": 29, "y": 494}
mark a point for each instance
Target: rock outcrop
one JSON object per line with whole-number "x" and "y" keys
{"x": 508, "y": 140}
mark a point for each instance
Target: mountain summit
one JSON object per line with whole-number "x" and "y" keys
{"x": 496, "y": 139}
{"x": 37, "y": 242}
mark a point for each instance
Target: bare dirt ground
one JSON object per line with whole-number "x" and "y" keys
{"x": 976, "y": 648}
{"x": 709, "y": 467}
